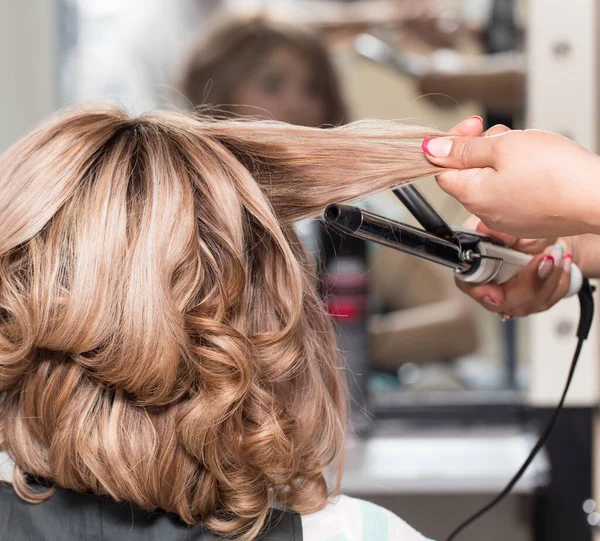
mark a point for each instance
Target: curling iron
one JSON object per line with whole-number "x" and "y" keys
{"x": 475, "y": 259}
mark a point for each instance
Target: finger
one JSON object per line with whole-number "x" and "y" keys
{"x": 556, "y": 285}
{"x": 509, "y": 240}
{"x": 495, "y": 130}
{"x": 490, "y": 296}
{"x": 470, "y": 127}
{"x": 528, "y": 246}
{"x": 531, "y": 290}
{"x": 462, "y": 184}
{"x": 472, "y": 222}
{"x": 522, "y": 245}
{"x": 533, "y": 246}
{"x": 457, "y": 152}
{"x": 562, "y": 289}
{"x": 541, "y": 301}
{"x": 523, "y": 287}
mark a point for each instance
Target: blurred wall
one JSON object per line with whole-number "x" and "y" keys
{"x": 28, "y": 62}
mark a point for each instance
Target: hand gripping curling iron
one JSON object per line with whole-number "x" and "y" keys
{"x": 475, "y": 259}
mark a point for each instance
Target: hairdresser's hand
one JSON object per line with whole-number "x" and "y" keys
{"x": 539, "y": 286}
{"x": 471, "y": 127}
{"x": 525, "y": 183}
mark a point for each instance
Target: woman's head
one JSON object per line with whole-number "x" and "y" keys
{"x": 254, "y": 67}
{"x": 160, "y": 339}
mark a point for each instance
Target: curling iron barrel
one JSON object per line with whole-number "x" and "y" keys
{"x": 359, "y": 223}
{"x": 474, "y": 258}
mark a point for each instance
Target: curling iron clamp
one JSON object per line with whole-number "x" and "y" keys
{"x": 474, "y": 258}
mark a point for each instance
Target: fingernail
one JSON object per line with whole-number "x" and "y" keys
{"x": 437, "y": 147}
{"x": 545, "y": 267}
{"x": 478, "y": 118}
{"x": 557, "y": 253}
{"x": 568, "y": 263}
{"x": 490, "y": 301}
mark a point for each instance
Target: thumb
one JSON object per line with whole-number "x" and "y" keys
{"x": 460, "y": 152}
{"x": 529, "y": 246}
{"x": 509, "y": 240}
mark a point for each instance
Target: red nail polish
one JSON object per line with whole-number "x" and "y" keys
{"x": 490, "y": 300}
{"x": 545, "y": 267}
{"x": 425, "y": 145}
{"x": 548, "y": 258}
{"x": 568, "y": 263}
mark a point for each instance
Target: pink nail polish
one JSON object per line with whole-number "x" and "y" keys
{"x": 437, "y": 147}
{"x": 425, "y": 145}
{"x": 490, "y": 301}
{"x": 568, "y": 263}
{"x": 545, "y": 267}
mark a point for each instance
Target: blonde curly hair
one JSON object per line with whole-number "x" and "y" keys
{"x": 161, "y": 340}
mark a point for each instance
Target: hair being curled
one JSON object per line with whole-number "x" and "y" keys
{"x": 160, "y": 339}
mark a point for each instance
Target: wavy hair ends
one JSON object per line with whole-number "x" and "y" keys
{"x": 160, "y": 339}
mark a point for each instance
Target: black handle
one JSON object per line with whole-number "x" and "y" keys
{"x": 423, "y": 211}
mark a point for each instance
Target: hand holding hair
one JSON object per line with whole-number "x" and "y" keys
{"x": 543, "y": 282}
{"x": 526, "y": 183}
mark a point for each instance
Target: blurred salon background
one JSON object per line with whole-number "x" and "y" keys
{"x": 447, "y": 400}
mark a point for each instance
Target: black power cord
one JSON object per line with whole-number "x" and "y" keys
{"x": 586, "y": 304}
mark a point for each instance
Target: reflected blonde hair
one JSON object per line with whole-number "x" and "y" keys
{"x": 160, "y": 339}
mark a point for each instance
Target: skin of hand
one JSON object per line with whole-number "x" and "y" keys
{"x": 546, "y": 278}
{"x": 525, "y": 183}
